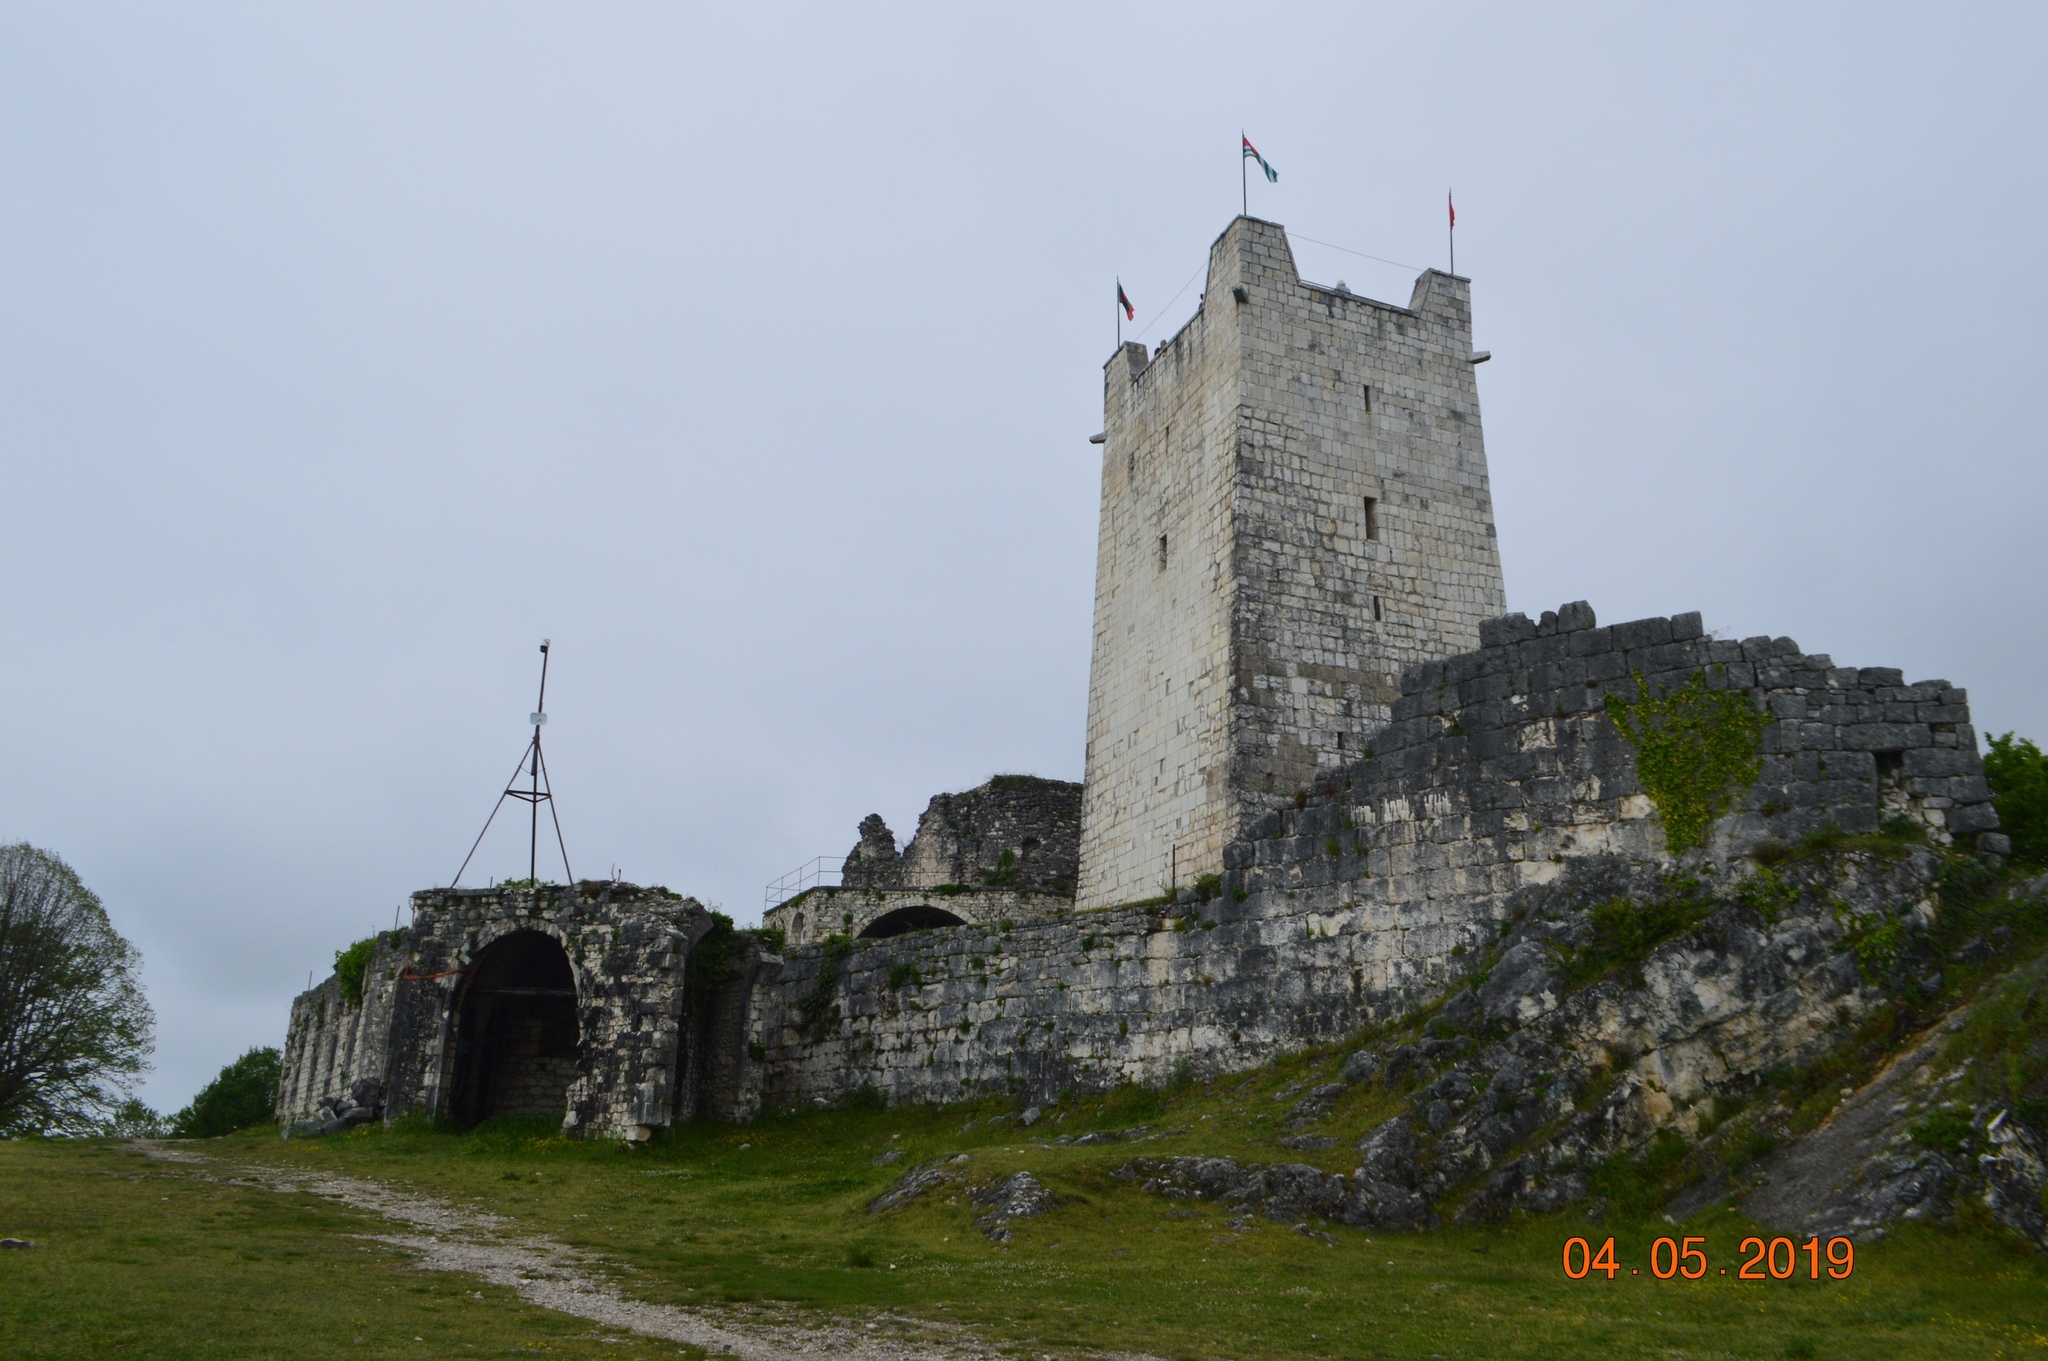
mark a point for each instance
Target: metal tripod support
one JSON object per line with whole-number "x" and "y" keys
{"x": 534, "y": 766}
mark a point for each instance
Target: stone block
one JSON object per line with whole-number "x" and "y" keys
{"x": 1642, "y": 633}
{"x": 1508, "y": 628}
{"x": 1886, "y": 736}
{"x": 1970, "y": 819}
{"x": 1575, "y": 616}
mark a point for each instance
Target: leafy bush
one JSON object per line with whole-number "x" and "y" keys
{"x": 1625, "y": 933}
{"x": 866, "y": 1097}
{"x": 2018, "y": 773}
{"x": 134, "y": 1120}
{"x": 244, "y": 1095}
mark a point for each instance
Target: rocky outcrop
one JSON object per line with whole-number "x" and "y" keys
{"x": 1286, "y": 1191}
{"x": 1917, "y": 1143}
{"x": 1017, "y": 1196}
{"x": 1622, "y": 1004}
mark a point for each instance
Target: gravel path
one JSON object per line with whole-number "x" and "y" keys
{"x": 555, "y": 1276}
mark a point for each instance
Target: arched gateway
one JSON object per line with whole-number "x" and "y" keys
{"x": 516, "y": 1036}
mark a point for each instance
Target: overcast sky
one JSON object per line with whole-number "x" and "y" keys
{"x": 752, "y": 357}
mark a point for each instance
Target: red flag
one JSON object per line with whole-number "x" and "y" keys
{"x": 1452, "y": 206}
{"x": 1130, "y": 312}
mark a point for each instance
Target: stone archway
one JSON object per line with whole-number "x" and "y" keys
{"x": 516, "y": 1040}
{"x": 917, "y": 917}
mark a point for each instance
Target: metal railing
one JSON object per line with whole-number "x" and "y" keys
{"x": 821, "y": 872}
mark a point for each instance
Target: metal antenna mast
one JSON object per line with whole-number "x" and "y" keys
{"x": 534, "y": 766}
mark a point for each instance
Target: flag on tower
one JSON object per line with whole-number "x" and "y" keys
{"x": 1123, "y": 301}
{"x": 1452, "y": 206}
{"x": 1252, "y": 153}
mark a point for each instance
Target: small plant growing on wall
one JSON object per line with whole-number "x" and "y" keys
{"x": 1696, "y": 752}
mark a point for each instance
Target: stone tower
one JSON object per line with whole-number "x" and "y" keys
{"x": 1294, "y": 508}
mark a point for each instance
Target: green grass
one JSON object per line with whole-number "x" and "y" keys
{"x": 141, "y": 1258}
{"x": 775, "y": 1211}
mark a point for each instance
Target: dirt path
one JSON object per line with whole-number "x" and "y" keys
{"x": 555, "y": 1276}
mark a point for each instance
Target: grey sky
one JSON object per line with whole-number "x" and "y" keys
{"x": 752, "y": 358}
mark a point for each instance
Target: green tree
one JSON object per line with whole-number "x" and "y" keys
{"x": 2018, "y": 773}
{"x": 134, "y": 1120}
{"x": 244, "y": 1094}
{"x": 75, "y": 1031}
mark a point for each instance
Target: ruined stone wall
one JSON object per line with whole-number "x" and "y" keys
{"x": 1501, "y": 768}
{"x": 1016, "y": 831}
{"x": 723, "y": 1062}
{"x": 330, "y": 1045}
{"x": 627, "y": 949}
{"x": 1295, "y": 505}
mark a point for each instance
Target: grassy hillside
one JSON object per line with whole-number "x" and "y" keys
{"x": 776, "y": 1211}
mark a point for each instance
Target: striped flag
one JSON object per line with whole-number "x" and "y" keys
{"x": 1252, "y": 153}
{"x": 1123, "y": 301}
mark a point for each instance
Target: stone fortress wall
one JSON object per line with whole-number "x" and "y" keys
{"x": 1294, "y": 506}
{"x": 1500, "y": 770}
{"x": 332, "y": 1043}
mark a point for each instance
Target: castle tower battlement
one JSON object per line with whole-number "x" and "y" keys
{"x": 1294, "y": 507}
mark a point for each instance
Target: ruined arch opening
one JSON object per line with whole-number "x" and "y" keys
{"x": 921, "y": 917}
{"x": 516, "y": 1041}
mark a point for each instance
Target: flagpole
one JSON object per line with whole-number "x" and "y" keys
{"x": 1119, "y": 313}
{"x": 1243, "y": 178}
{"x": 1452, "y": 206}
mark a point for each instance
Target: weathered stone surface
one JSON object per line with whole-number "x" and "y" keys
{"x": 914, "y": 1183}
{"x": 1017, "y": 831}
{"x": 1284, "y": 1192}
{"x": 1017, "y": 1196}
{"x": 1525, "y": 984}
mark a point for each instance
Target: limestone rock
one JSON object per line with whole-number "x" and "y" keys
{"x": 911, "y": 1185}
{"x": 1018, "y": 1196}
{"x": 1528, "y": 982}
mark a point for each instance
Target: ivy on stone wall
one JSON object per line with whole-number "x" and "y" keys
{"x": 1696, "y": 752}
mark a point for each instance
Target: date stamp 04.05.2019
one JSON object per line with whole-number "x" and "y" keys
{"x": 1686, "y": 1259}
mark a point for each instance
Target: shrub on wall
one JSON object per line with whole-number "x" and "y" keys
{"x": 1696, "y": 752}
